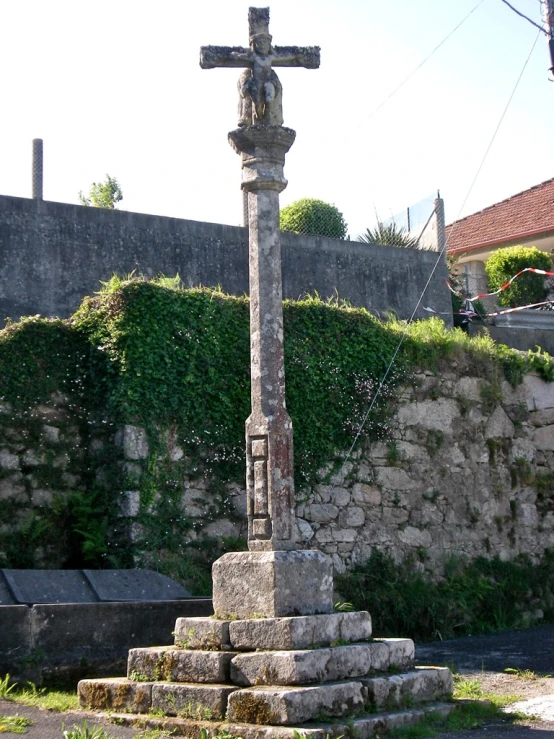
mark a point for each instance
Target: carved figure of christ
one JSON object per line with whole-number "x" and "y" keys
{"x": 260, "y": 91}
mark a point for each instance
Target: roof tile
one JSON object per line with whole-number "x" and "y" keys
{"x": 529, "y": 211}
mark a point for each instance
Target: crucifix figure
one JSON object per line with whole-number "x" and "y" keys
{"x": 260, "y": 91}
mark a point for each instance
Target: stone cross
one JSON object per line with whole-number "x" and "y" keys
{"x": 262, "y": 142}
{"x": 260, "y": 91}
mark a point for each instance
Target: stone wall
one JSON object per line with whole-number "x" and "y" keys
{"x": 468, "y": 470}
{"x": 54, "y": 254}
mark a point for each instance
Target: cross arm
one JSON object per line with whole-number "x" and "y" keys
{"x": 296, "y": 56}
{"x": 224, "y": 56}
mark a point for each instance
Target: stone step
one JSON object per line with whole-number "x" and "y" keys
{"x": 115, "y": 694}
{"x": 302, "y": 667}
{"x": 421, "y": 685}
{"x": 361, "y": 727}
{"x": 293, "y": 632}
{"x": 188, "y": 700}
{"x": 200, "y": 702}
{"x": 292, "y": 705}
{"x": 178, "y": 665}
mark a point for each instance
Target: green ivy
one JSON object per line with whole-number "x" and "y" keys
{"x": 176, "y": 362}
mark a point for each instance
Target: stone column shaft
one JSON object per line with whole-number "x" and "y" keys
{"x": 269, "y": 443}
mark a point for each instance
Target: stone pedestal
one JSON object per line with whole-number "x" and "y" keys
{"x": 250, "y": 585}
{"x": 318, "y": 675}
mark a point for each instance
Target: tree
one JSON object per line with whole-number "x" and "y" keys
{"x": 529, "y": 288}
{"x": 315, "y": 217}
{"x": 390, "y": 235}
{"x": 103, "y": 194}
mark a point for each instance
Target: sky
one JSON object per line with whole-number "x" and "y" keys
{"x": 114, "y": 87}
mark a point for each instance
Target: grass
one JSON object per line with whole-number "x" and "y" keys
{"x": 83, "y": 732}
{"x": 474, "y": 708}
{"x": 30, "y": 695}
{"x": 14, "y": 724}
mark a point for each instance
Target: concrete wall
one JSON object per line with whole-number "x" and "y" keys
{"x": 53, "y": 254}
{"x": 62, "y": 637}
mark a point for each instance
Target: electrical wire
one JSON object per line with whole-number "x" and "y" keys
{"x": 543, "y": 30}
{"x": 416, "y": 69}
{"x": 437, "y": 262}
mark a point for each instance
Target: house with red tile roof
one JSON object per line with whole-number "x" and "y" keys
{"x": 526, "y": 218}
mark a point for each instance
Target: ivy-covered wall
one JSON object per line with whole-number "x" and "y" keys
{"x": 122, "y": 435}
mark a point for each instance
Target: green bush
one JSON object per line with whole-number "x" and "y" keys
{"x": 472, "y": 597}
{"x": 315, "y": 217}
{"x": 529, "y": 288}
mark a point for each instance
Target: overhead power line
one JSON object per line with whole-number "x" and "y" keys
{"x": 416, "y": 69}
{"x": 522, "y": 15}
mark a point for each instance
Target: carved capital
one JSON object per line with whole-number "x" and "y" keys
{"x": 263, "y": 150}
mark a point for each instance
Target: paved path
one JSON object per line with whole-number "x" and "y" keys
{"x": 527, "y": 649}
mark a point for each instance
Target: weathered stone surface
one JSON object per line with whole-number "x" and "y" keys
{"x": 201, "y": 633}
{"x": 51, "y": 433}
{"x": 8, "y": 461}
{"x": 115, "y": 694}
{"x": 178, "y": 665}
{"x": 417, "y": 686}
{"x": 544, "y": 438}
{"x": 270, "y": 584}
{"x": 401, "y": 652}
{"x": 302, "y": 667}
{"x": 394, "y": 478}
{"x": 134, "y": 441}
{"x": 294, "y": 705}
{"x": 300, "y": 632}
{"x": 208, "y": 702}
{"x": 437, "y": 415}
{"x": 539, "y": 395}
{"x": 499, "y": 425}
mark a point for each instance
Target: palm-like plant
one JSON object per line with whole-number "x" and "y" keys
{"x": 389, "y": 235}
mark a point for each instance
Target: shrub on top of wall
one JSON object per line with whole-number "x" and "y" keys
{"x": 527, "y": 289}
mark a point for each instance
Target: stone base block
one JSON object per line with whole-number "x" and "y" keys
{"x": 115, "y": 694}
{"x": 299, "y": 632}
{"x": 365, "y": 727}
{"x": 401, "y": 652}
{"x": 201, "y": 633}
{"x": 302, "y": 667}
{"x": 282, "y": 706}
{"x": 417, "y": 686}
{"x": 178, "y": 665}
{"x": 272, "y": 584}
{"x": 199, "y": 702}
